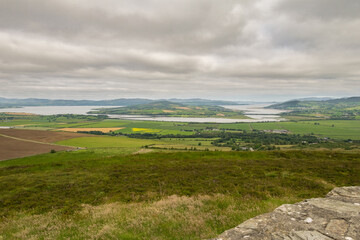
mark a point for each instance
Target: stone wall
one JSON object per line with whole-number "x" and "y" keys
{"x": 335, "y": 217}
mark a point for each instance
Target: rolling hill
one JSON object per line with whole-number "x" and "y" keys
{"x": 343, "y": 108}
{"x": 167, "y": 108}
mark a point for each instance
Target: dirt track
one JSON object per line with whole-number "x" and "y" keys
{"x": 41, "y": 136}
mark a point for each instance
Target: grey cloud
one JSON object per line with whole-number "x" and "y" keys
{"x": 320, "y": 9}
{"x": 187, "y": 22}
{"x": 159, "y": 48}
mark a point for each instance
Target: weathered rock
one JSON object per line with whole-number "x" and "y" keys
{"x": 335, "y": 217}
{"x": 337, "y": 226}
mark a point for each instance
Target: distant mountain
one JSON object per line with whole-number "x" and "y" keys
{"x": 351, "y": 100}
{"x": 315, "y": 99}
{"x": 253, "y": 102}
{"x": 287, "y": 105}
{"x": 202, "y": 102}
{"x": 7, "y": 102}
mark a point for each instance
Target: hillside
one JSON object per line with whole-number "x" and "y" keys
{"x": 167, "y": 108}
{"x": 296, "y": 104}
{"x": 163, "y": 104}
{"x": 343, "y": 108}
{"x": 187, "y": 195}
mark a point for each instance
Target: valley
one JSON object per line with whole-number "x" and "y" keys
{"x": 96, "y": 172}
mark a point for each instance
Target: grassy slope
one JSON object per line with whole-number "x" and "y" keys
{"x": 132, "y": 192}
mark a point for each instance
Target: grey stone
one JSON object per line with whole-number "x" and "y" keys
{"x": 346, "y": 208}
{"x": 337, "y": 226}
{"x": 335, "y": 217}
{"x": 308, "y": 235}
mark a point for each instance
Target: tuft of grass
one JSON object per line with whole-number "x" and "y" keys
{"x": 171, "y": 217}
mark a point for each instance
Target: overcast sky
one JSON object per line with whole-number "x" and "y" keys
{"x": 227, "y": 49}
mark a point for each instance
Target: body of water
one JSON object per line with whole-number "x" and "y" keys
{"x": 257, "y": 113}
{"x": 256, "y": 109}
{"x": 183, "y": 119}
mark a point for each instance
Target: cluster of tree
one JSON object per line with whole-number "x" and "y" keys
{"x": 158, "y": 136}
{"x": 333, "y": 114}
{"x": 57, "y": 117}
{"x": 6, "y": 118}
{"x": 93, "y": 132}
{"x": 262, "y": 141}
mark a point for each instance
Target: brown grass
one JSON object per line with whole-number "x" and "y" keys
{"x": 143, "y": 151}
{"x": 168, "y": 111}
{"x": 172, "y": 217}
{"x": 183, "y": 108}
{"x": 104, "y": 130}
{"x": 20, "y": 113}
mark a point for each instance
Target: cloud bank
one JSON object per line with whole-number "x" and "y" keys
{"x": 249, "y": 49}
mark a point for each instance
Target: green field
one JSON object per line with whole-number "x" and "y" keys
{"x": 109, "y": 146}
{"x": 125, "y": 145}
{"x": 185, "y": 195}
{"x": 107, "y": 142}
{"x": 194, "y": 144}
{"x": 337, "y": 129}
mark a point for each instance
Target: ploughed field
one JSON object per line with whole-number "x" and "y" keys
{"x": 15, "y": 143}
{"x": 12, "y": 148}
{"x": 40, "y": 135}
